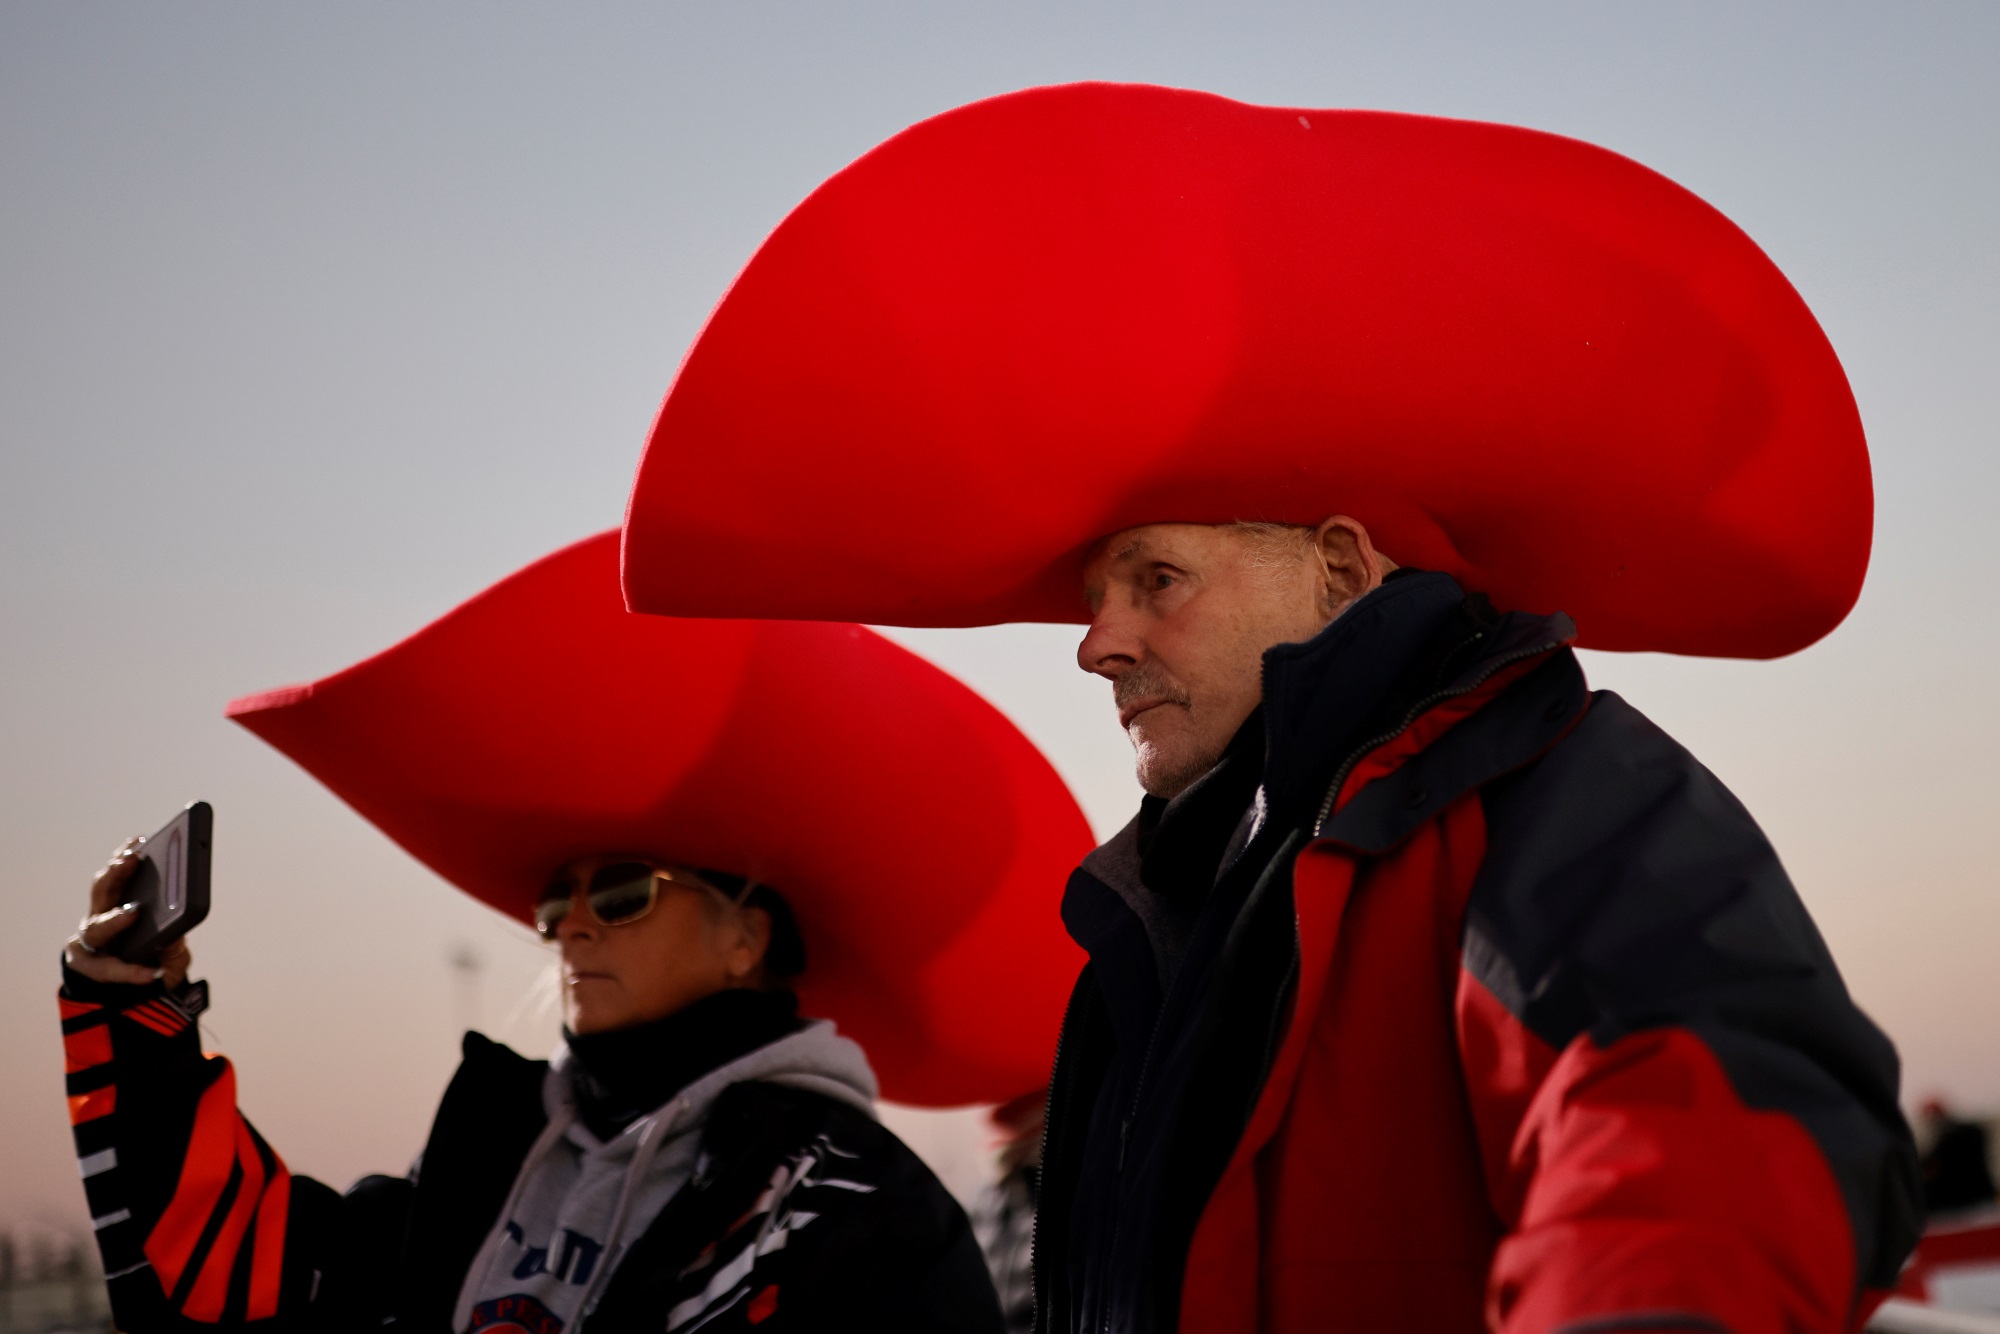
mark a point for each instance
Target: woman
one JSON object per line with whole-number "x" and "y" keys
{"x": 716, "y": 823}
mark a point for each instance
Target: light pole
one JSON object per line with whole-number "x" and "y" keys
{"x": 466, "y": 966}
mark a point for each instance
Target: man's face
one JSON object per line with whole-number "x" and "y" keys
{"x": 1181, "y": 615}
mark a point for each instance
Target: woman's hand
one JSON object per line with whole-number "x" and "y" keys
{"x": 109, "y": 914}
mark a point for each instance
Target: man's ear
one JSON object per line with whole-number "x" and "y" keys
{"x": 1353, "y": 567}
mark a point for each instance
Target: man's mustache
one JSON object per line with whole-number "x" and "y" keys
{"x": 1147, "y": 682}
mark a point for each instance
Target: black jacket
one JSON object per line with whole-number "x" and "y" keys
{"x": 201, "y": 1226}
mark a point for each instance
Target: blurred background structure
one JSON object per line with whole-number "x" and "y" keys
{"x": 51, "y": 1282}
{"x": 315, "y": 320}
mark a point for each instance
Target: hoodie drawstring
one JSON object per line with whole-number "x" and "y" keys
{"x": 652, "y": 1134}
{"x": 468, "y": 1293}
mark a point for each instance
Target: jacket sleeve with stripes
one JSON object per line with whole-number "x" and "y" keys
{"x": 198, "y": 1221}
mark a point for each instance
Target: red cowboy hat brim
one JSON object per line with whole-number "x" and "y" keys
{"x": 920, "y": 839}
{"x": 1036, "y": 320}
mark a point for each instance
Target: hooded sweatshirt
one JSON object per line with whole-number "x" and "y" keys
{"x": 581, "y": 1199}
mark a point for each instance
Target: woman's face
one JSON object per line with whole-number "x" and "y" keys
{"x": 693, "y": 943}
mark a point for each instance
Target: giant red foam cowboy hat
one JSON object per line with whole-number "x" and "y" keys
{"x": 1036, "y": 320}
{"x": 920, "y": 839}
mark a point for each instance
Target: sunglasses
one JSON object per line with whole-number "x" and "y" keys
{"x": 615, "y": 893}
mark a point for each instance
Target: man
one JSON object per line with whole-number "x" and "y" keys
{"x": 1428, "y": 990}
{"x": 1551, "y": 1035}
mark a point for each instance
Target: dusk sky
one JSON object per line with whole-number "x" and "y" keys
{"x": 315, "y": 320}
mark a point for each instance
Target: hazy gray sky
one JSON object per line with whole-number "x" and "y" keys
{"x": 315, "y": 320}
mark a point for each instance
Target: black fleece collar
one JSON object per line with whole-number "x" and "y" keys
{"x": 620, "y": 1076}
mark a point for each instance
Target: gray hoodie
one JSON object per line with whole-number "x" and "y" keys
{"x": 578, "y": 1202}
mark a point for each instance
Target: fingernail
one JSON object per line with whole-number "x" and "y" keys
{"x": 159, "y": 973}
{"x": 129, "y": 907}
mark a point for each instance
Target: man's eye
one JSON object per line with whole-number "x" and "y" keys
{"x": 1161, "y": 579}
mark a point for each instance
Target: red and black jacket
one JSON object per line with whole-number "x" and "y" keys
{"x": 201, "y": 1226}
{"x": 1484, "y": 1005}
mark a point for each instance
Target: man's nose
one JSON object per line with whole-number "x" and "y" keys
{"x": 1111, "y": 646}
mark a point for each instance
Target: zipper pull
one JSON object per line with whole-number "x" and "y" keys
{"x": 1124, "y": 1138}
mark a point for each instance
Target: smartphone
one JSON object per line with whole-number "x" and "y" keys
{"x": 170, "y": 886}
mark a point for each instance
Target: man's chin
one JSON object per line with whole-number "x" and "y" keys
{"x": 1167, "y": 770}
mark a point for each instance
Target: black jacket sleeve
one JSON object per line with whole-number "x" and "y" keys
{"x": 199, "y": 1223}
{"x": 901, "y": 1257}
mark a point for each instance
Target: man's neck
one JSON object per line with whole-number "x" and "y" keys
{"x": 1181, "y": 841}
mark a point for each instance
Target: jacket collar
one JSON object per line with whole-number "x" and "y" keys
{"x": 1321, "y": 696}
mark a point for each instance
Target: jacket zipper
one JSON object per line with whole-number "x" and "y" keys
{"x": 1103, "y": 1320}
{"x": 1416, "y": 711}
{"x": 1139, "y": 1089}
